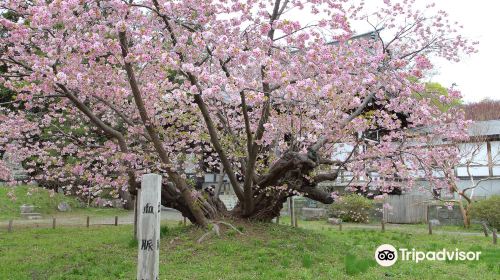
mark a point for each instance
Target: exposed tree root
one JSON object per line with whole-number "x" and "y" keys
{"x": 173, "y": 240}
{"x": 229, "y": 225}
{"x": 216, "y": 230}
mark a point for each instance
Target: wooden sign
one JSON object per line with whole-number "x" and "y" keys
{"x": 149, "y": 227}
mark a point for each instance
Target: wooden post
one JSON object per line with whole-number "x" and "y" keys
{"x": 149, "y": 228}
{"x": 383, "y": 226}
{"x": 53, "y": 223}
{"x": 430, "y": 228}
{"x": 292, "y": 211}
{"x": 88, "y": 221}
{"x": 494, "y": 236}
{"x": 116, "y": 221}
{"x": 136, "y": 214}
{"x": 485, "y": 230}
{"x": 278, "y": 220}
{"x": 11, "y": 222}
{"x": 184, "y": 222}
{"x": 295, "y": 224}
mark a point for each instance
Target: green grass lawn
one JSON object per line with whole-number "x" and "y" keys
{"x": 265, "y": 251}
{"x": 45, "y": 204}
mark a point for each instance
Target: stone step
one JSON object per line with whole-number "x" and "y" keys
{"x": 31, "y": 216}
{"x": 34, "y": 217}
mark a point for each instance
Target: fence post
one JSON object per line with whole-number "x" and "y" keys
{"x": 88, "y": 221}
{"x": 485, "y": 230}
{"x": 295, "y": 220}
{"x": 136, "y": 215}
{"x": 383, "y": 226}
{"x": 53, "y": 223}
{"x": 278, "y": 220}
{"x": 292, "y": 211}
{"x": 116, "y": 221}
{"x": 184, "y": 222}
{"x": 430, "y": 228}
{"x": 494, "y": 236}
{"x": 9, "y": 229}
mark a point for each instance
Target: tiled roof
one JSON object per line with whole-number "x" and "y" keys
{"x": 484, "y": 128}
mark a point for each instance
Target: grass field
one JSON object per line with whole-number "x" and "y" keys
{"x": 265, "y": 251}
{"x": 46, "y": 205}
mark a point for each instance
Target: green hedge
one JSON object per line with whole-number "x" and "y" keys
{"x": 488, "y": 211}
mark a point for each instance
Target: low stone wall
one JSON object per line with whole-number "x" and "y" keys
{"x": 444, "y": 215}
{"x": 312, "y": 214}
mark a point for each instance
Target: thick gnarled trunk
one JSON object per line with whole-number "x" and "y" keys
{"x": 211, "y": 206}
{"x": 291, "y": 170}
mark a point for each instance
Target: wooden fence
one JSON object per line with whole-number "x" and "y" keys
{"x": 406, "y": 209}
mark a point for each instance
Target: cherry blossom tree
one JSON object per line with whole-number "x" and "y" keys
{"x": 472, "y": 154}
{"x": 108, "y": 90}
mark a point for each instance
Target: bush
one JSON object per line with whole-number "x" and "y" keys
{"x": 352, "y": 208}
{"x": 488, "y": 211}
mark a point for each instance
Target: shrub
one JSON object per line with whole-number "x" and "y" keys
{"x": 488, "y": 211}
{"x": 352, "y": 208}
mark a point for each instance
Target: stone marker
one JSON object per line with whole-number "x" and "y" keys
{"x": 27, "y": 208}
{"x": 334, "y": 221}
{"x": 149, "y": 228}
{"x": 435, "y": 222}
{"x": 313, "y": 214}
{"x": 63, "y": 207}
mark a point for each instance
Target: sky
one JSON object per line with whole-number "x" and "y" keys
{"x": 475, "y": 75}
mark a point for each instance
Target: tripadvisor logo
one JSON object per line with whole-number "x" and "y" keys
{"x": 387, "y": 255}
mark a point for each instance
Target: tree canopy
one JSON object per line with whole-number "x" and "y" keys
{"x": 108, "y": 90}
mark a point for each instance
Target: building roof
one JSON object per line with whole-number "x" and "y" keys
{"x": 485, "y": 128}
{"x": 367, "y": 35}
